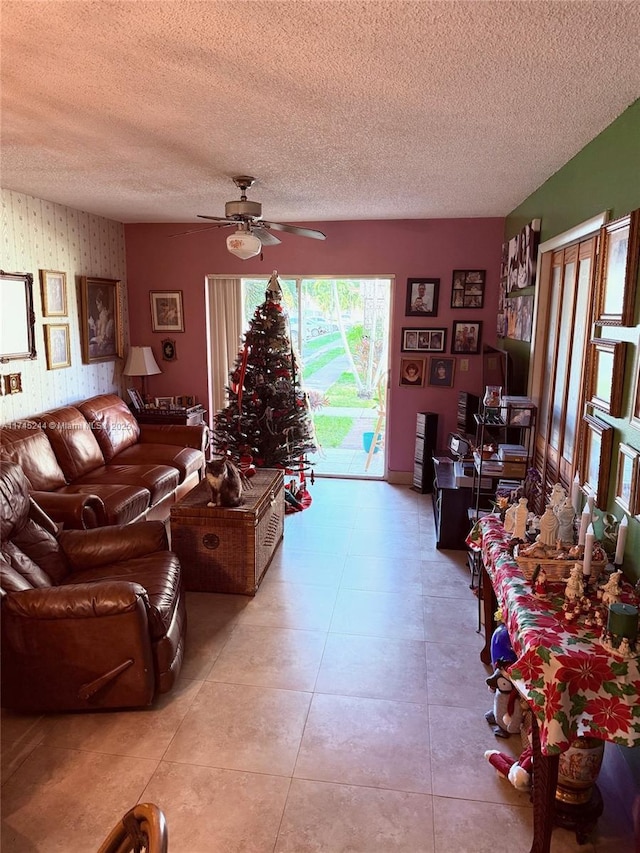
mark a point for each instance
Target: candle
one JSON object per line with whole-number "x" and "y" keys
{"x": 585, "y": 521}
{"x": 591, "y": 502}
{"x": 622, "y": 538}
{"x": 623, "y": 620}
{"x": 588, "y": 551}
{"x": 575, "y": 493}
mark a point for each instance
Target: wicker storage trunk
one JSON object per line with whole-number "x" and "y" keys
{"x": 228, "y": 550}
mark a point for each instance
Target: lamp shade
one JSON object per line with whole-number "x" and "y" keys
{"x": 243, "y": 244}
{"x": 141, "y": 362}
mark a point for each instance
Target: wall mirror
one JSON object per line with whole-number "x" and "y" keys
{"x": 17, "y": 320}
{"x": 596, "y": 458}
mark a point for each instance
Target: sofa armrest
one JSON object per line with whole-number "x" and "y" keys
{"x": 77, "y": 647}
{"x": 112, "y": 544}
{"x": 75, "y": 600}
{"x": 183, "y": 436}
{"x": 78, "y": 511}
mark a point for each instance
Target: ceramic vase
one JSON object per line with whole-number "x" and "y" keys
{"x": 578, "y": 770}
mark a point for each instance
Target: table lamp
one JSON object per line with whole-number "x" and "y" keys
{"x": 141, "y": 362}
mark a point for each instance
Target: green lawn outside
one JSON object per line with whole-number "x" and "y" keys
{"x": 344, "y": 393}
{"x": 330, "y": 431}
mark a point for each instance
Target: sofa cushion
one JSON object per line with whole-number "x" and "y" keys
{"x": 160, "y": 480}
{"x": 10, "y": 579}
{"x": 122, "y": 503}
{"x": 23, "y": 565}
{"x": 29, "y": 448}
{"x": 73, "y": 441}
{"x": 185, "y": 459}
{"x": 115, "y": 428}
{"x": 158, "y": 573}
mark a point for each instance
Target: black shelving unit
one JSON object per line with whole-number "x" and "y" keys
{"x": 426, "y": 439}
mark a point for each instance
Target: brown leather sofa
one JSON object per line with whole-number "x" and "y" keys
{"x": 92, "y": 464}
{"x": 90, "y": 618}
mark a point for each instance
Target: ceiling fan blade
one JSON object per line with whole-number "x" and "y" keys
{"x": 218, "y": 219}
{"x": 196, "y": 230}
{"x": 264, "y": 236}
{"x": 294, "y": 229}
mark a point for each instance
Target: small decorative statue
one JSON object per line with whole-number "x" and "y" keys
{"x": 612, "y": 589}
{"x": 574, "y": 589}
{"x": 520, "y": 520}
{"x": 548, "y": 527}
{"x": 509, "y": 518}
{"x": 506, "y": 716}
{"x": 539, "y": 582}
{"x": 557, "y": 497}
{"x": 566, "y": 517}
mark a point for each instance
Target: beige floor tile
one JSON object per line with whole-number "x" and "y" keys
{"x": 456, "y": 676}
{"x": 332, "y": 818}
{"x": 402, "y": 546}
{"x": 305, "y": 567}
{"x": 288, "y": 658}
{"x": 459, "y": 738}
{"x": 242, "y": 727}
{"x": 452, "y": 620}
{"x": 209, "y": 809}
{"x": 145, "y": 733}
{"x": 446, "y": 579}
{"x": 394, "y": 521}
{"x": 378, "y": 614}
{"x": 373, "y": 742}
{"x": 63, "y": 800}
{"x": 291, "y": 605}
{"x": 211, "y": 618}
{"x": 321, "y": 538}
{"x": 468, "y": 827}
{"x": 375, "y": 667}
{"x": 382, "y": 575}
{"x": 19, "y": 736}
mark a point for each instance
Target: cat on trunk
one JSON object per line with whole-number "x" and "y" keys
{"x": 226, "y": 482}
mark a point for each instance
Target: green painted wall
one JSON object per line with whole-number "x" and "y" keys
{"x": 605, "y": 175}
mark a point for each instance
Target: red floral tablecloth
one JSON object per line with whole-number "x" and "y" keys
{"x": 573, "y": 684}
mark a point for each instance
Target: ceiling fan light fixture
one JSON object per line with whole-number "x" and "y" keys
{"x": 243, "y": 245}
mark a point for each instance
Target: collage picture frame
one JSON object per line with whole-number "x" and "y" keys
{"x": 467, "y": 288}
{"x": 424, "y": 340}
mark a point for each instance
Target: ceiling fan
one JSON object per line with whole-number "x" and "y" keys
{"x": 252, "y": 231}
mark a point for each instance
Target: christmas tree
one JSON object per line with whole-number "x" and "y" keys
{"x": 267, "y": 421}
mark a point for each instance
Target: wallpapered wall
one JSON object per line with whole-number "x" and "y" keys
{"x": 37, "y": 235}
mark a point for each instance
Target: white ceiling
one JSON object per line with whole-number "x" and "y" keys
{"x": 141, "y": 111}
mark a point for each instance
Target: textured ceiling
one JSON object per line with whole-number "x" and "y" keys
{"x": 142, "y": 111}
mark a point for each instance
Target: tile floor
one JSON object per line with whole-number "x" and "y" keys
{"x": 341, "y": 709}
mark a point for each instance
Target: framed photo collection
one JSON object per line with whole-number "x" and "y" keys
{"x": 467, "y": 288}
{"x": 424, "y": 340}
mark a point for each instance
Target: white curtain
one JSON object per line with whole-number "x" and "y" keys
{"x": 224, "y": 329}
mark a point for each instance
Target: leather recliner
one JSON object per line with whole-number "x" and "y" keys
{"x": 89, "y": 618}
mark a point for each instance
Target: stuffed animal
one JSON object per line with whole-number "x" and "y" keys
{"x": 516, "y": 770}
{"x": 506, "y": 715}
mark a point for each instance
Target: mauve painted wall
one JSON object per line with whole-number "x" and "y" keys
{"x": 400, "y": 248}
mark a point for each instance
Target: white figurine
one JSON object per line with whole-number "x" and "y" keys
{"x": 557, "y": 497}
{"x": 566, "y": 517}
{"x": 509, "y": 518}
{"x": 574, "y": 589}
{"x": 548, "y": 527}
{"x": 612, "y": 588}
{"x": 520, "y": 520}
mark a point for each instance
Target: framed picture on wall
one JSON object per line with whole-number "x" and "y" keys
{"x": 467, "y": 288}
{"x": 627, "y": 495}
{"x": 166, "y": 311}
{"x": 607, "y": 375}
{"x": 618, "y": 271}
{"x": 412, "y": 372}
{"x": 422, "y": 297}
{"x": 466, "y": 337}
{"x": 441, "y": 371}
{"x": 57, "y": 347}
{"x": 100, "y": 322}
{"x": 53, "y": 286}
{"x": 424, "y": 340}
{"x": 596, "y": 458}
